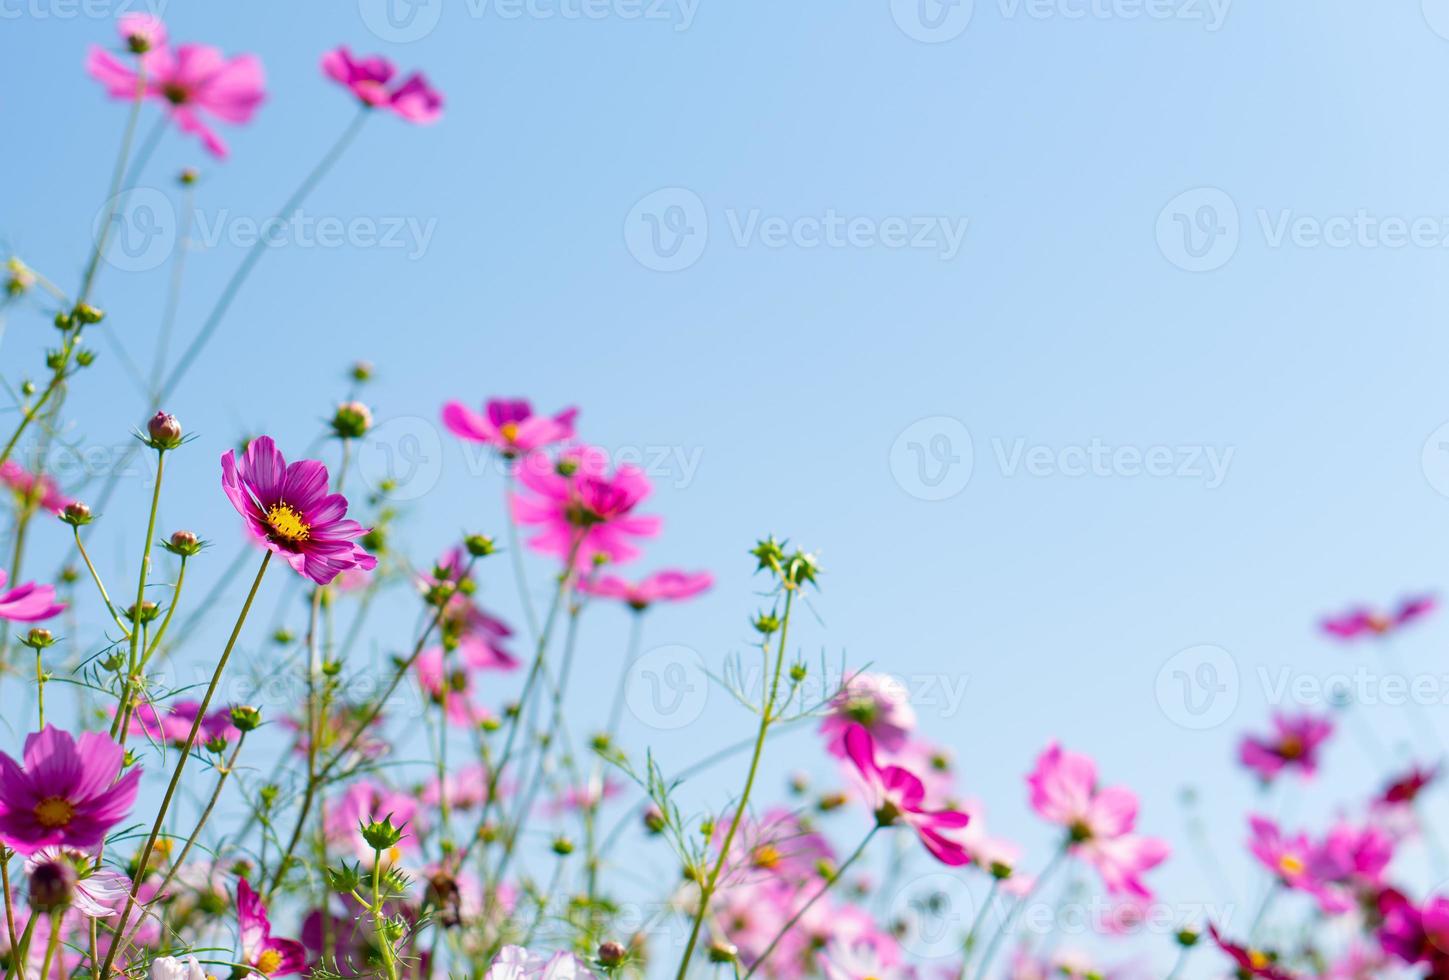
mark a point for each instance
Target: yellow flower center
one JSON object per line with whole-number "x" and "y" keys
{"x": 509, "y": 431}
{"x": 1290, "y": 864}
{"x": 288, "y": 524}
{"x": 767, "y": 856}
{"x": 1291, "y": 747}
{"x": 54, "y": 811}
{"x": 269, "y": 961}
{"x": 1257, "y": 959}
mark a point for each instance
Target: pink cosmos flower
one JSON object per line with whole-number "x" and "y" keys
{"x": 467, "y": 788}
{"x": 364, "y": 802}
{"x": 1099, "y": 820}
{"x": 517, "y": 963}
{"x": 289, "y": 511}
{"x": 578, "y": 799}
{"x": 1294, "y": 744}
{"x": 97, "y": 890}
{"x": 668, "y": 586}
{"x": 1360, "y": 622}
{"x": 509, "y": 425}
{"x": 435, "y": 678}
{"x": 370, "y": 78}
{"x": 1350, "y": 861}
{"x": 898, "y": 796}
{"x": 879, "y": 703}
{"x": 582, "y": 508}
{"x": 28, "y": 603}
{"x": 482, "y": 637}
{"x": 174, "y": 727}
{"x": 1250, "y": 962}
{"x": 192, "y": 80}
{"x": 141, "y": 32}
{"x": 1286, "y": 858}
{"x": 775, "y": 845}
{"x": 1402, "y": 790}
{"x": 68, "y": 792}
{"x": 32, "y": 489}
{"x": 262, "y": 952}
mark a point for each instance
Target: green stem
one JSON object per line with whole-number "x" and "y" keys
{"x": 145, "y": 858}
{"x": 51, "y": 946}
{"x": 133, "y": 659}
{"x": 1009, "y": 923}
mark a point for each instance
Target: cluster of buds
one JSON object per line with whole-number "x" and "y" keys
{"x": 18, "y": 277}
{"x": 793, "y": 568}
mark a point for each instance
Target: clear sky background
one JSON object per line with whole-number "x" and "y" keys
{"x": 1190, "y": 233}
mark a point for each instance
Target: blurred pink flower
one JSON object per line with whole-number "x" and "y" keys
{"x": 434, "y": 678}
{"x": 192, "y": 81}
{"x": 670, "y": 585}
{"x": 370, "y": 78}
{"x": 28, "y": 603}
{"x": 97, "y": 890}
{"x": 364, "y": 802}
{"x": 509, "y": 425}
{"x": 1286, "y": 858}
{"x": 1294, "y": 744}
{"x": 582, "y": 508}
{"x": 1362, "y": 621}
{"x": 879, "y": 703}
{"x": 32, "y": 489}
{"x": 898, "y": 796}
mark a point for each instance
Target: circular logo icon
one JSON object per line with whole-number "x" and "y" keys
{"x": 667, "y": 231}
{"x": 932, "y": 21}
{"x": 1436, "y": 15}
{"x": 933, "y": 912}
{"x": 400, "y": 21}
{"x": 402, "y": 457}
{"x": 1434, "y": 460}
{"x": 1198, "y": 230}
{"x": 1198, "y": 687}
{"x": 667, "y": 687}
{"x": 932, "y": 459}
{"x": 138, "y": 227}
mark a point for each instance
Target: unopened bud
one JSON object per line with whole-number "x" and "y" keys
{"x": 164, "y": 430}
{"x": 52, "y": 885}
{"x": 76, "y": 514}
{"x": 351, "y": 420}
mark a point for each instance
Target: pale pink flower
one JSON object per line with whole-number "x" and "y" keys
{"x": 670, "y": 585}
{"x": 879, "y": 703}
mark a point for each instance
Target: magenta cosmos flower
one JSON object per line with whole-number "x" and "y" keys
{"x": 174, "y": 726}
{"x": 880, "y": 703}
{"x": 1099, "y": 820}
{"x": 670, "y": 585}
{"x": 262, "y": 952}
{"x": 582, "y": 508}
{"x": 1293, "y": 744}
{"x": 97, "y": 890}
{"x": 1362, "y": 621}
{"x": 290, "y": 511}
{"x": 68, "y": 792}
{"x": 192, "y": 80}
{"x": 371, "y": 79}
{"x": 32, "y": 489}
{"x": 509, "y": 425}
{"x": 898, "y": 796}
{"x": 28, "y": 603}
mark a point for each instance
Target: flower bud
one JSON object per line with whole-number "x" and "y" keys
{"x": 611, "y": 954}
{"x": 188, "y": 176}
{"x": 183, "y": 543}
{"x": 723, "y": 952}
{"x": 351, "y": 420}
{"x": 76, "y": 514}
{"x": 245, "y": 718}
{"x": 149, "y": 612}
{"x": 654, "y": 820}
{"x": 381, "y": 835}
{"x": 52, "y": 885}
{"x": 1000, "y": 870}
{"x": 18, "y": 278}
{"x": 164, "y": 430}
{"x": 63, "y": 321}
{"x": 562, "y": 846}
{"x": 479, "y": 545}
{"x": 1187, "y": 938}
{"x": 88, "y": 314}
{"x": 39, "y": 638}
{"x": 85, "y": 358}
{"x": 362, "y": 371}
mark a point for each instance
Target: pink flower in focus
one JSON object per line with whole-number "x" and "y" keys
{"x": 582, "y": 508}
{"x": 28, "y": 603}
{"x": 70, "y": 792}
{"x": 669, "y": 586}
{"x": 262, "y": 952}
{"x": 370, "y": 78}
{"x": 877, "y": 702}
{"x": 509, "y": 425}
{"x": 898, "y": 796}
{"x": 1099, "y": 820}
{"x": 32, "y": 489}
{"x": 289, "y": 510}
{"x": 1361, "y": 622}
{"x": 1294, "y": 744}
{"x": 193, "y": 81}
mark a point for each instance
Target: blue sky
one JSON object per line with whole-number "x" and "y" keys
{"x": 1149, "y": 293}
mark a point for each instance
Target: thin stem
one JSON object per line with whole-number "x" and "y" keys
{"x": 118, "y": 175}
{"x": 155, "y": 643}
{"x": 40, "y": 688}
{"x": 51, "y": 946}
{"x": 133, "y": 659}
{"x": 1010, "y": 921}
{"x": 384, "y": 944}
{"x": 968, "y": 945}
{"x": 5, "y": 855}
{"x": 95, "y": 577}
{"x": 145, "y": 858}
{"x": 21, "y": 952}
{"x": 819, "y": 893}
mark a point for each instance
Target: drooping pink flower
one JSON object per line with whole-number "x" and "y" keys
{"x": 1294, "y": 744}
{"x": 70, "y": 791}
{"x": 370, "y": 78}
{"x": 481, "y": 637}
{"x": 28, "y": 603}
{"x": 1099, "y": 820}
{"x": 582, "y": 508}
{"x": 32, "y": 489}
{"x": 193, "y": 81}
{"x": 670, "y": 585}
{"x": 879, "y": 703}
{"x": 290, "y": 511}
{"x": 1362, "y": 621}
{"x": 898, "y": 796}
{"x": 509, "y": 425}
{"x": 260, "y": 950}
{"x": 174, "y": 726}
{"x": 97, "y": 890}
